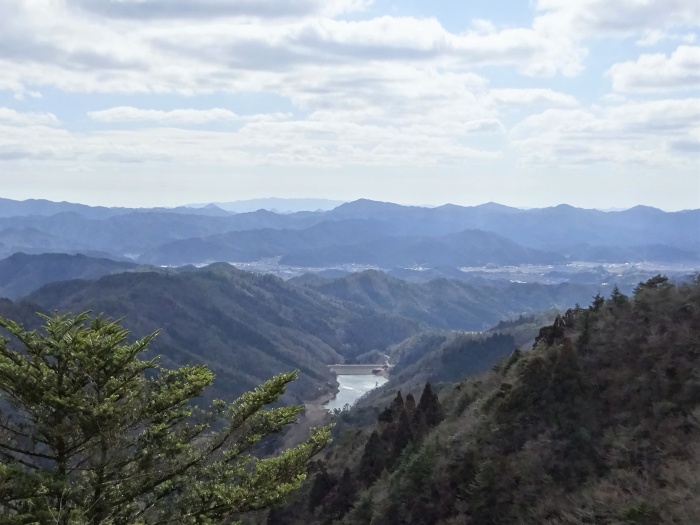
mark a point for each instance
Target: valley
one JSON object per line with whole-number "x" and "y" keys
{"x": 349, "y": 262}
{"x": 365, "y": 301}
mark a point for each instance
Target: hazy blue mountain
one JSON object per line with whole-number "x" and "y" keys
{"x": 466, "y": 248}
{"x": 640, "y": 233}
{"x": 275, "y": 204}
{"x": 253, "y": 245}
{"x": 350, "y": 241}
{"x": 21, "y": 273}
{"x": 619, "y": 254}
{"x": 211, "y": 210}
{"x": 13, "y": 208}
{"x": 129, "y": 234}
{"x": 546, "y": 228}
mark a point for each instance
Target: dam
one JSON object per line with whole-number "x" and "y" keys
{"x": 359, "y": 370}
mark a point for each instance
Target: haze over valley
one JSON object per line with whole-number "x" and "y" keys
{"x": 311, "y": 288}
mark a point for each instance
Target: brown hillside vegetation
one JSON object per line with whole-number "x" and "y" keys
{"x": 599, "y": 423}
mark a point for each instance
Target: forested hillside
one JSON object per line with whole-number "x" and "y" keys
{"x": 21, "y": 274}
{"x": 449, "y": 303}
{"x": 245, "y": 326}
{"x": 598, "y": 423}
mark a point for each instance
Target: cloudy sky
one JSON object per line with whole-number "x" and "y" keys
{"x": 595, "y": 103}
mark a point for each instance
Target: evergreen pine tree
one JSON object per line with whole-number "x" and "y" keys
{"x": 93, "y": 434}
{"x": 373, "y": 459}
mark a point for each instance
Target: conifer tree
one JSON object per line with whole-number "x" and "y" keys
{"x": 403, "y": 435}
{"x": 396, "y": 405}
{"x": 339, "y": 501}
{"x": 410, "y": 403}
{"x": 373, "y": 459}
{"x": 90, "y": 433}
{"x": 429, "y": 407}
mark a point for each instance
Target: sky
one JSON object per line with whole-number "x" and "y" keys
{"x": 594, "y": 103}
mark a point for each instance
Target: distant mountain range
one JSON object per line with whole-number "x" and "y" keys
{"x": 272, "y": 204}
{"x": 361, "y": 232}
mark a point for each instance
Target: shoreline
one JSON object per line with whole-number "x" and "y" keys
{"x": 314, "y": 410}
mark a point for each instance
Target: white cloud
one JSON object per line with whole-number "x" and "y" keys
{"x": 656, "y": 133}
{"x": 215, "y": 46}
{"x": 207, "y": 9}
{"x": 658, "y": 72}
{"x": 655, "y": 36}
{"x": 361, "y": 90}
{"x": 11, "y": 117}
{"x": 46, "y": 43}
{"x": 616, "y": 18}
{"x": 176, "y": 116}
{"x": 179, "y": 116}
{"x": 321, "y": 142}
{"x": 531, "y": 97}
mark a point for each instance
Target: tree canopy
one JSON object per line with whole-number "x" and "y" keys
{"x": 91, "y": 432}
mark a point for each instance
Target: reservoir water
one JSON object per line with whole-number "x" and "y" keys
{"x": 352, "y": 387}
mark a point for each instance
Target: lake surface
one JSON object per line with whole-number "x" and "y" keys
{"x": 352, "y": 388}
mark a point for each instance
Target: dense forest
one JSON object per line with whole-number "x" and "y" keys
{"x": 598, "y": 423}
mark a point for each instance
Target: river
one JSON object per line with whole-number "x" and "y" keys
{"x": 352, "y": 387}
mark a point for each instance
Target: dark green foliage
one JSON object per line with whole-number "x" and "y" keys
{"x": 402, "y": 435}
{"x": 410, "y": 403}
{"x": 618, "y": 298}
{"x": 373, "y": 459}
{"x": 90, "y": 433}
{"x": 323, "y": 483}
{"x": 599, "y": 423}
{"x": 340, "y": 499}
{"x": 598, "y": 302}
{"x": 396, "y": 406}
{"x": 429, "y": 407}
{"x": 458, "y": 356}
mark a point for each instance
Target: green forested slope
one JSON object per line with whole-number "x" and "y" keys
{"x": 449, "y": 303}
{"x": 21, "y": 273}
{"x": 246, "y": 327}
{"x": 599, "y": 423}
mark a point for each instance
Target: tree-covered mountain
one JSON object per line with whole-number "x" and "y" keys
{"x": 355, "y": 241}
{"x": 598, "y": 423}
{"x": 252, "y": 245}
{"x": 131, "y": 232}
{"x": 46, "y": 208}
{"x": 545, "y": 228}
{"x": 464, "y": 248}
{"x": 245, "y": 326}
{"x": 449, "y": 303}
{"x": 21, "y": 274}
{"x": 289, "y": 205}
